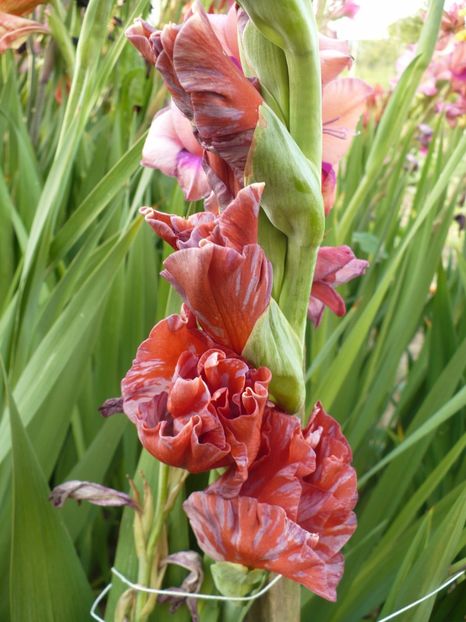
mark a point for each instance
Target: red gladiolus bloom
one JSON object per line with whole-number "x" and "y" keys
{"x": 207, "y": 84}
{"x": 294, "y": 512}
{"x": 335, "y": 265}
{"x": 219, "y": 269}
{"x": 196, "y": 405}
{"x": 235, "y": 226}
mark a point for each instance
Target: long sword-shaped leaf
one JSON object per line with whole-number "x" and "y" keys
{"x": 47, "y": 581}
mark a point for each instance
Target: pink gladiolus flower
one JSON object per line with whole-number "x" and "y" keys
{"x": 329, "y": 185}
{"x": 196, "y": 405}
{"x": 294, "y": 512}
{"x": 14, "y": 30}
{"x": 335, "y": 57}
{"x": 335, "y": 265}
{"x": 343, "y": 102}
{"x": 350, "y": 9}
{"x": 172, "y": 148}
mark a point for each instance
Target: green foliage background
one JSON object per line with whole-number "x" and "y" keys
{"x": 79, "y": 290}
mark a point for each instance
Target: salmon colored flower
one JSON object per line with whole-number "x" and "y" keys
{"x": 196, "y": 405}
{"x": 329, "y": 185}
{"x": 343, "y": 102}
{"x": 293, "y": 514}
{"x": 335, "y": 265}
{"x": 19, "y": 7}
{"x": 335, "y": 57}
{"x": 14, "y": 30}
{"x": 172, "y": 148}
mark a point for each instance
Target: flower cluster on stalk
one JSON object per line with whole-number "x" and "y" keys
{"x": 285, "y": 499}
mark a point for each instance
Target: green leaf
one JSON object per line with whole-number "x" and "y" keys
{"x": 47, "y": 581}
{"x": 86, "y": 213}
{"x": 431, "y": 567}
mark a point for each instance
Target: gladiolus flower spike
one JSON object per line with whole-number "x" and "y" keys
{"x": 220, "y": 385}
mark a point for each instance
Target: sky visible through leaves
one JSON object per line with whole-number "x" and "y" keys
{"x": 374, "y": 17}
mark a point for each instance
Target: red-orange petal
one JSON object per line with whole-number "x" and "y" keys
{"x": 156, "y": 360}
{"x": 330, "y": 493}
{"x": 226, "y": 290}
{"x": 260, "y": 535}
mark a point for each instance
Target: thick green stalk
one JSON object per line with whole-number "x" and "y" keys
{"x": 306, "y": 101}
{"x": 294, "y": 296}
{"x": 146, "y": 563}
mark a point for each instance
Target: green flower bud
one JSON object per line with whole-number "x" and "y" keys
{"x": 265, "y": 61}
{"x": 274, "y": 344}
{"x": 236, "y": 580}
{"x": 292, "y": 198}
{"x": 287, "y": 23}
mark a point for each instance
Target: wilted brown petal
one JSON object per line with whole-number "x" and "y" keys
{"x": 190, "y": 561}
{"x": 111, "y": 407}
{"x": 91, "y": 492}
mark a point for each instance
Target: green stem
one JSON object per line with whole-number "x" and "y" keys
{"x": 146, "y": 563}
{"x": 306, "y": 102}
{"x": 297, "y": 283}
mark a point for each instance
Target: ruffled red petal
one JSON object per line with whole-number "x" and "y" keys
{"x": 196, "y": 406}
{"x": 156, "y": 359}
{"x": 330, "y": 492}
{"x": 236, "y": 226}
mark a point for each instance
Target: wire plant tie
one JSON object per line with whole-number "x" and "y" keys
{"x": 264, "y": 590}
{"x": 141, "y": 588}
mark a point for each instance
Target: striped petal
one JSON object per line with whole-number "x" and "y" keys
{"x": 224, "y": 102}
{"x": 226, "y": 290}
{"x": 244, "y": 531}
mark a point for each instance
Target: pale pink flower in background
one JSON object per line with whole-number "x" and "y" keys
{"x": 172, "y": 148}
{"x": 343, "y": 102}
{"x": 335, "y": 57}
{"x": 349, "y": 9}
